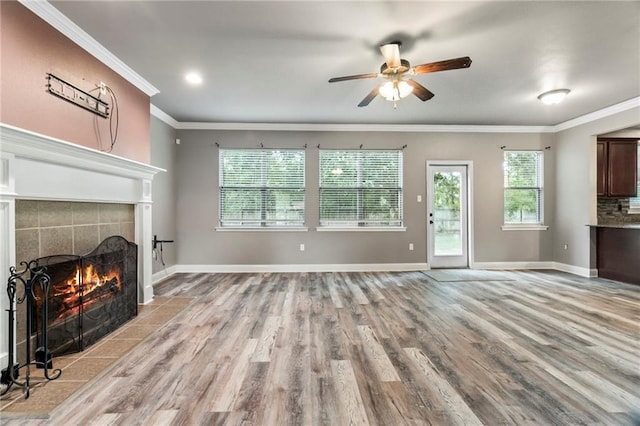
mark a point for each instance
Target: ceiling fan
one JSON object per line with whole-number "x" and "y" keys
{"x": 397, "y": 73}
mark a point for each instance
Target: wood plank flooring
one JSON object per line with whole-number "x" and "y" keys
{"x": 378, "y": 349}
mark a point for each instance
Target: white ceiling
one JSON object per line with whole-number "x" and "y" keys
{"x": 269, "y": 62}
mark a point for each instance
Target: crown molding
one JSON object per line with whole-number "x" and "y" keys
{"x": 329, "y": 127}
{"x": 163, "y": 116}
{"x": 596, "y": 115}
{"x": 417, "y": 128}
{"x": 60, "y": 22}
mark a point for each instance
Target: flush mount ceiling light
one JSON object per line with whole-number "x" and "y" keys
{"x": 554, "y": 96}
{"x": 193, "y": 78}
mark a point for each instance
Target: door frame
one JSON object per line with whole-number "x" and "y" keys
{"x": 470, "y": 234}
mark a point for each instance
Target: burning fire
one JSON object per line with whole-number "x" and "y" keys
{"x": 84, "y": 288}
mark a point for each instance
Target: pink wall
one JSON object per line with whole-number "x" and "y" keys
{"x": 29, "y": 49}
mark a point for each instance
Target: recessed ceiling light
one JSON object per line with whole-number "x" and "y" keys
{"x": 193, "y": 78}
{"x": 554, "y": 96}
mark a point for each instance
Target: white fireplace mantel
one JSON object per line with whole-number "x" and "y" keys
{"x": 38, "y": 167}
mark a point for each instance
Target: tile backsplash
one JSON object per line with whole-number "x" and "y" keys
{"x": 613, "y": 211}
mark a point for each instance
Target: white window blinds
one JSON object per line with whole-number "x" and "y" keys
{"x": 262, "y": 187}
{"x": 523, "y": 184}
{"x": 361, "y": 188}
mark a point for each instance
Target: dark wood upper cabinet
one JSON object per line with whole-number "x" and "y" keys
{"x": 602, "y": 168}
{"x": 617, "y": 167}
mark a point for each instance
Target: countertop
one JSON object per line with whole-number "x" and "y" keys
{"x": 619, "y": 226}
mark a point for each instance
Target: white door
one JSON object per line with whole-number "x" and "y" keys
{"x": 448, "y": 215}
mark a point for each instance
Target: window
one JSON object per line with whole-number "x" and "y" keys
{"x": 361, "y": 188}
{"x": 523, "y": 178}
{"x": 261, "y": 188}
{"x": 634, "y": 202}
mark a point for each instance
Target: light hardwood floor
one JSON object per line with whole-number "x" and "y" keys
{"x": 379, "y": 349}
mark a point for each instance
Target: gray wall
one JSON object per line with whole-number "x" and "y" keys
{"x": 197, "y": 196}
{"x": 576, "y": 186}
{"x": 633, "y": 132}
{"x": 163, "y": 154}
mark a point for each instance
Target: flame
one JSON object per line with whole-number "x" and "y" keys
{"x": 87, "y": 283}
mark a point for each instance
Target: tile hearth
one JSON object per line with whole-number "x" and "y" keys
{"x": 83, "y": 368}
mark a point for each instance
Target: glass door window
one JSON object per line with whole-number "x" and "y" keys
{"x": 446, "y": 213}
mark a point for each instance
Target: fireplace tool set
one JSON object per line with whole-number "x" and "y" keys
{"x": 31, "y": 280}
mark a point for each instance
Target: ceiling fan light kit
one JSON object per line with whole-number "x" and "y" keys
{"x": 554, "y": 96}
{"x": 395, "y": 90}
{"x": 396, "y": 72}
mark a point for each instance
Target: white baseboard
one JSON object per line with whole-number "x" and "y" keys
{"x": 575, "y": 270}
{"x": 364, "y": 267}
{"x": 355, "y": 267}
{"x": 161, "y": 275}
{"x": 512, "y": 265}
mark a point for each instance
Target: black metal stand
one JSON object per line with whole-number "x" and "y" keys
{"x": 30, "y": 278}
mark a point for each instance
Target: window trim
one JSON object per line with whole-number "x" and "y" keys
{"x": 331, "y": 228}
{"x": 359, "y": 224}
{"x": 533, "y": 226}
{"x": 261, "y": 229}
{"x": 524, "y": 227}
{"x": 264, "y": 189}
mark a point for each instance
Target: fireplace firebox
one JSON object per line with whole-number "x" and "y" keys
{"x": 89, "y": 296}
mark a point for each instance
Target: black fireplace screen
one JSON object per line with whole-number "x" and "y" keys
{"x": 89, "y": 296}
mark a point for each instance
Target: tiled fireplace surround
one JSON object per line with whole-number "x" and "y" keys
{"x": 61, "y": 198}
{"x": 47, "y": 228}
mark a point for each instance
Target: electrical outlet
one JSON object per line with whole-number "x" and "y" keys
{"x": 566, "y": 246}
{"x": 301, "y": 247}
{"x": 103, "y": 88}
{"x": 410, "y": 246}
{"x": 419, "y": 198}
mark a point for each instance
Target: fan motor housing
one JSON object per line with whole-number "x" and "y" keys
{"x": 404, "y": 67}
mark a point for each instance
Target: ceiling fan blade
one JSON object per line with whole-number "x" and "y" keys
{"x": 420, "y": 91}
{"x": 391, "y": 53}
{"x": 367, "y": 100}
{"x": 353, "y": 77}
{"x": 449, "y": 64}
